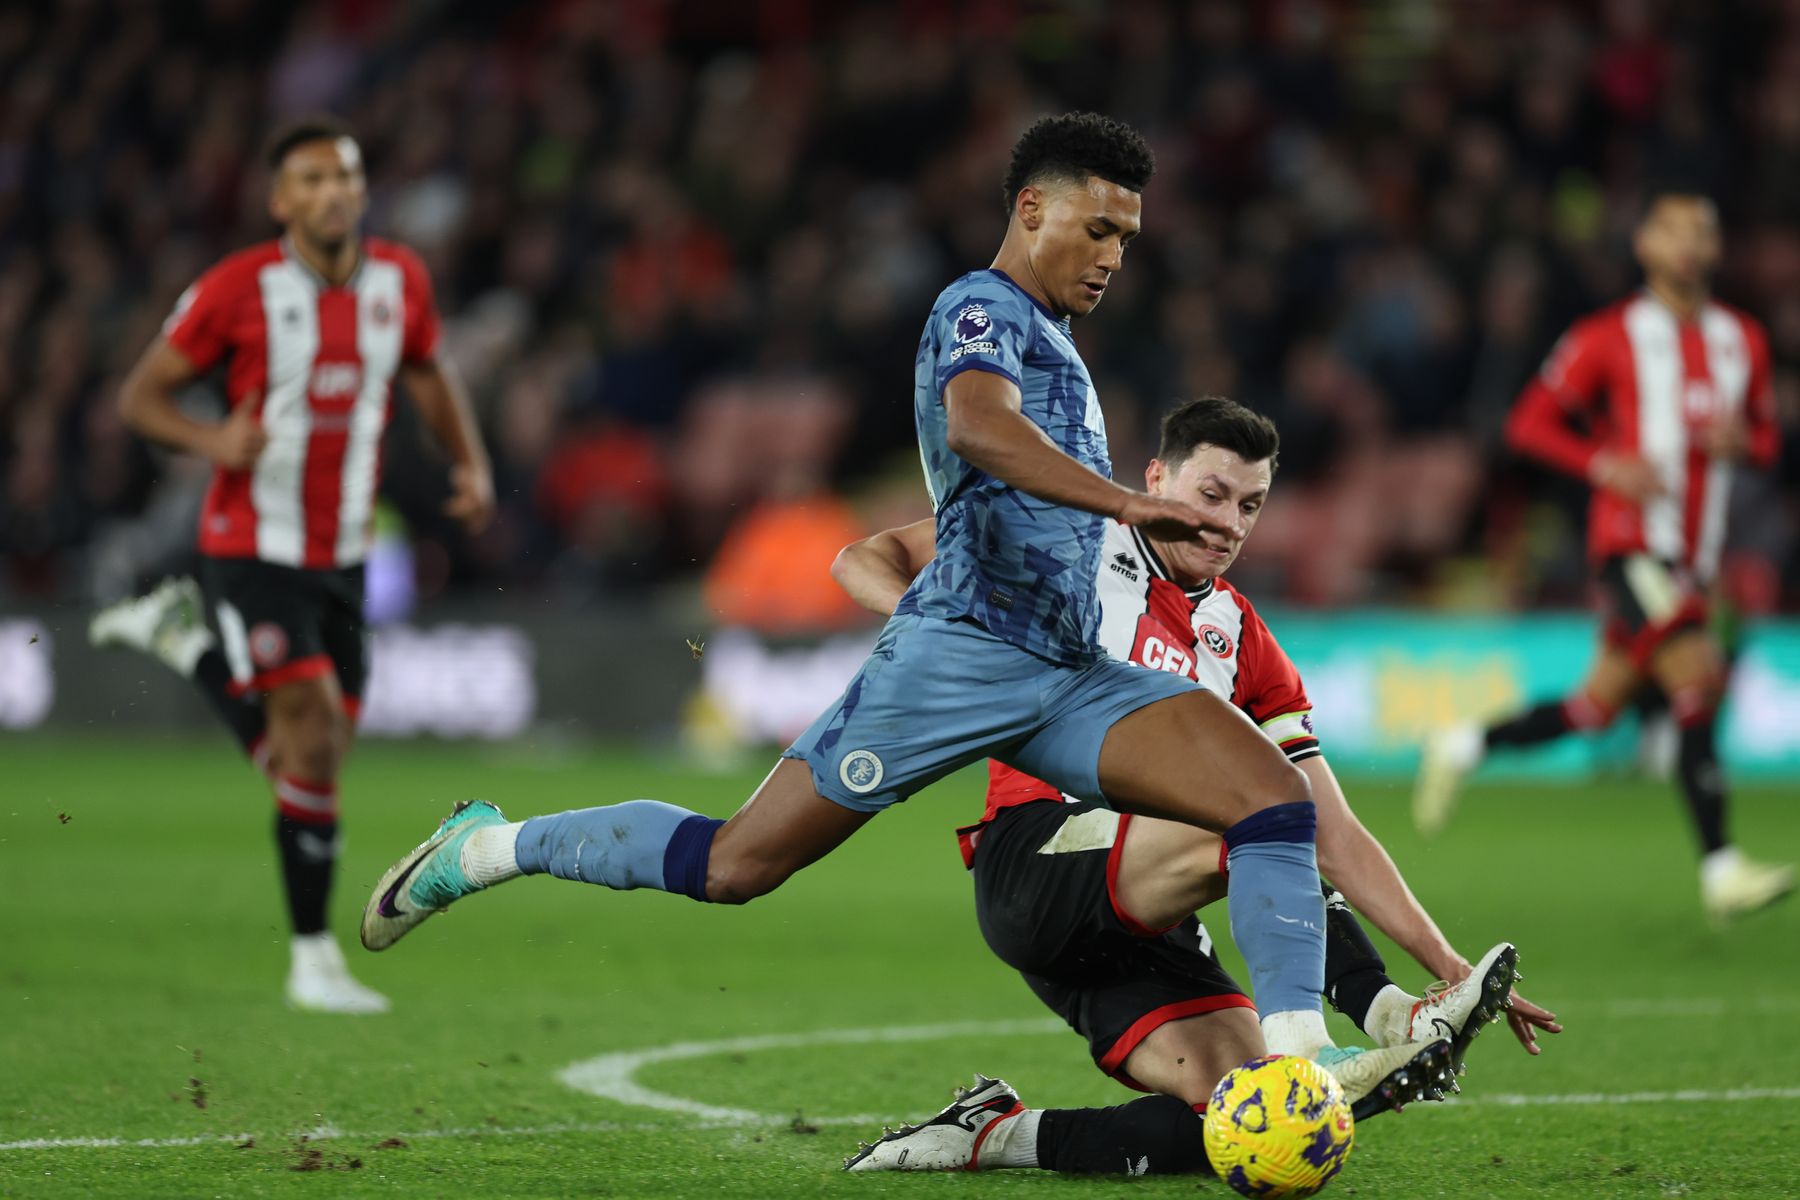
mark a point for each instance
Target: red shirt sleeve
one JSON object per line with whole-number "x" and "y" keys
{"x": 200, "y": 325}
{"x": 1571, "y": 380}
{"x": 1759, "y": 402}
{"x": 1269, "y": 689}
{"x": 420, "y": 341}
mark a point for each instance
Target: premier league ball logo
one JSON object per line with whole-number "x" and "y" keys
{"x": 973, "y": 324}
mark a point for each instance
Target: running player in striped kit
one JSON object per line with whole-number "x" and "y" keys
{"x": 1654, "y": 401}
{"x": 311, "y": 331}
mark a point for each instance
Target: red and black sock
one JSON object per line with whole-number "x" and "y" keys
{"x": 306, "y": 832}
{"x": 1702, "y": 781}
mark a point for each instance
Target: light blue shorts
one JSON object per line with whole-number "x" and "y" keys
{"x": 937, "y": 695}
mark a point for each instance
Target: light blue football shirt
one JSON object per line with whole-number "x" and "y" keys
{"x": 1021, "y": 568}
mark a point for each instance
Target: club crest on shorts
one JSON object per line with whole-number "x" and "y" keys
{"x": 268, "y": 644}
{"x": 861, "y": 771}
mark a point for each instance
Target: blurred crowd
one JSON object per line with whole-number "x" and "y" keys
{"x": 684, "y": 251}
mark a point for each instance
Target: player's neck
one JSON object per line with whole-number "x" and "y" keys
{"x": 334, "y": 265}
{"x": 1684, "y": 302}
{"x": 1187, "y": 583}
{"x": 1015, "y": 262}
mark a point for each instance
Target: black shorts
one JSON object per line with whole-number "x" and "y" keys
{"x": 1053, "y": 917}
{"x": 284, "y": 624}
{"x": 1645, "y": 601}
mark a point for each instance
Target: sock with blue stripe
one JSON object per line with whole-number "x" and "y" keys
{"x": 642, "y": 843}
{"x": 1278, "y": 913}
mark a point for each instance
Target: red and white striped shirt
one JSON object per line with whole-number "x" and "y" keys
{"x": 1646, "y": 382}
{"x": 323, "y": 359}
{"x": 1209, "y": 633}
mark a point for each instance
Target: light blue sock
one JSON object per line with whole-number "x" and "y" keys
{"x": 1277, "y": 910}
{"x": 642, "y": 843}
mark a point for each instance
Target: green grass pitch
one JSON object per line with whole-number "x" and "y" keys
{"x": 142, "y": 948}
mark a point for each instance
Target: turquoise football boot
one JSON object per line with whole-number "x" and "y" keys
{"x": 426, "y": 880}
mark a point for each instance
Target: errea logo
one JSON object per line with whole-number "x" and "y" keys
{"x": 1125, "y": 565}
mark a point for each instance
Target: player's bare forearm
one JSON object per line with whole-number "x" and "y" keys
{"x": 987, "y": 430}
{"x": 444, "y": 407}
{"x": 147, "y": 402}
{"x": 1360, "y": 867}
{"x": 876, "y": 571}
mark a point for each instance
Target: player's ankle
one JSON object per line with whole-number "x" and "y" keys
{"x": 1389, "y": 1019}
{"x": 490, "y": 854}
{"x": 1010, "y": 1142}
{"x": 1298, "y": 1032}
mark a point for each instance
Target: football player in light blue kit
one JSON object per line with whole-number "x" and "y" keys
{"x": 992, "y": 652}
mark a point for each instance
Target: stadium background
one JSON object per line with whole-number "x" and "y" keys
{"x": 684, "y": 250}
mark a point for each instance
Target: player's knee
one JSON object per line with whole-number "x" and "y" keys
{"x": 1590, "y": 710}
{"x": 1197, "y": 1089}
{"x": 1282, "y": 784}
{"x": 315, "y": 759}
{"x": 737, "y": 881}
{"x": 314, "y": 735}
{"x": 1697, "y": 703}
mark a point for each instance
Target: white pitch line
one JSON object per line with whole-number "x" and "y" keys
{"x": 612, "y": 1077}
{"x": 329, "y": 1134}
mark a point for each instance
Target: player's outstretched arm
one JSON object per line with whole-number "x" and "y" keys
{"x": 1360, "y": 867}
{"x": 147, "y": 404}
{"x": 876, "y": 571}
{"x": 444, "y": 406}
{"x": 988, "y": 430}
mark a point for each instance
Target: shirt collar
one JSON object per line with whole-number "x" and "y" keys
{"x": 312, "y": 276}
{"x": 1160, "y": 569}
{"x": 1035, "y": 302}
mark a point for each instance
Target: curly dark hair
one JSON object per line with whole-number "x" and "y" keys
{"x": 1074, "y": 146}
{"x": 318, "y": 128}
{"x": 1218, "y": 421}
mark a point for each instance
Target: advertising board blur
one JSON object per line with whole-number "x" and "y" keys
{"x": 1378, "y": 680}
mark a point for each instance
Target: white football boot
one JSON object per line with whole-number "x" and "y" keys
{"x": 1389, "y": 1077}
{"x": 1732, "y": 885}
{"x": 1449, "y": 755}
{"x": 320, "y": 981}
{"x": 168, "y": 623}
{"x": 952, "y": 1140}
{"x": 1459, "y": 1011}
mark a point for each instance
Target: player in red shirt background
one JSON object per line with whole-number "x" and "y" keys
{"x": 1653, "y": 401}
{"x": 311, "y": 331}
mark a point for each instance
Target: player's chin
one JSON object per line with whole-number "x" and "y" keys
{"x": 1086, "y": 299}
{"x": 332, "y": 230}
